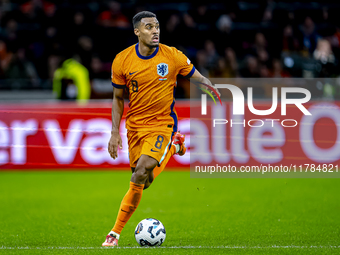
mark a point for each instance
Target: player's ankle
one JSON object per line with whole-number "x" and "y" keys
{"x": 114, "y": 234}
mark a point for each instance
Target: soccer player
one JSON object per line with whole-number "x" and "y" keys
{"x": 148, "y": 70}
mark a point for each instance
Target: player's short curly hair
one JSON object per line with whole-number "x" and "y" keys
{"x": 140, "y": 15}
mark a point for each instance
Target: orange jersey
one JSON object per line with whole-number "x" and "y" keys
{"x": 151, "y": 82}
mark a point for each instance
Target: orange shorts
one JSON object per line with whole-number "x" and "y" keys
{"x": 155, "y": 144}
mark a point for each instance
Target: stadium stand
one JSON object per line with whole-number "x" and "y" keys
{"x": 233, "y": 39}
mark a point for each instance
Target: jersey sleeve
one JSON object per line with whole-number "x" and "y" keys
{"x": 117, "y": 76}
{"x": 184, "y": 65}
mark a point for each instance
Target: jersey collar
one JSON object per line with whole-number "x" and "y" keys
{"x": 146, "y": 57}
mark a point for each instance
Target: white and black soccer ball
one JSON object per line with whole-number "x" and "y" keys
{"x": 150, "y": 232}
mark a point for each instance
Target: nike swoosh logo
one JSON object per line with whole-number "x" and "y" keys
{"x": 132, "y": 73}
{"x": 154, "y": 151}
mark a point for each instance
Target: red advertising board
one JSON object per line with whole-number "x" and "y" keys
{"x": 62, "y": 135}
{"x": 71, "y": 135}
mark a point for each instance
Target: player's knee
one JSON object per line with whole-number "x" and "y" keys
{"x": 143, "y": 170}
{"x": 140, "y": 175}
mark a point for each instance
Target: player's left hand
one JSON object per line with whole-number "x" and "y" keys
{"x": 216, "y": 89}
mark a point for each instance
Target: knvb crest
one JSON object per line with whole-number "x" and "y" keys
{"x": 162, "y": 69}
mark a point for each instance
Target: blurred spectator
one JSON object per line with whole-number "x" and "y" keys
{"x": 224, "y": 24}
{"x": 79, "y": 27}
{"x": 226, "y": 66}
{"x": 99, "y": 70}
{"x": 221, "y": 70}
{"x": 171, "y": 33}
{"x": 289, "y": 42}
{"x": 264, "y": 71}
{"x": 99, "y": 74}
{"x": 189, "y": 21}
{"x": 222, "y": 39}
{"x": 336, "y": 38}
{"x": 113, "y": 17}
{"x": 10, "y": 32}
{"x": 32, "y": 12}
{"x": 201, "y": 63}
{"x": 49, "y": 9}
{"x": 251, "y": 68}
{"x": 71, "y": 81}
{"x": 263, "y": 56}
{"x": 267, "y": 16}
{"x": 201, "y": 16}
{"x": 277, "y": 70}
{"x": 211, "y": 54}
{"x": 309, "y": 35}
{"x": 85, "y": 50}
{"x": 323, "y": 53}
{"x": 172, "y": 24}
{"x": 189, "y": 28}
{"x": 53, "y": 64}
{"x": 5, "y": 58}
{"x": 223, "y": 36}
{"x": 231, "y": 61}
{"x": 268, "y": 12}
{"x": 5, "y": 5}
{"x": 20, "y": 68}
{"x": 260, "y": 42}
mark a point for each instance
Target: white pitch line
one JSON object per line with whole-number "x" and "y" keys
{"x": 174, "y": 247}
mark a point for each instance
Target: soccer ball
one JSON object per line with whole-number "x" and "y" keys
{"x": 150, "y": 232}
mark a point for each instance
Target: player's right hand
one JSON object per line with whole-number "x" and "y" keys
{"x": 114, "y": 143}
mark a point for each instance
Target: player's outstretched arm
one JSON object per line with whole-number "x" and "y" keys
{"x": 198, "y": 79}
{"x": 117, "y": 113}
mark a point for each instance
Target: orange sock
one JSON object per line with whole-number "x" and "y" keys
{"x": 128, "y": 206}
{"x": 158, "y": 169}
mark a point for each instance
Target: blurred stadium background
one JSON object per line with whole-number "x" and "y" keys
{"x": 43, "y": 127}
{"x": 223, "y": 39}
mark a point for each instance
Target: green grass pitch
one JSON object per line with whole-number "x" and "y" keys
{"x": 71, "y": 213}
